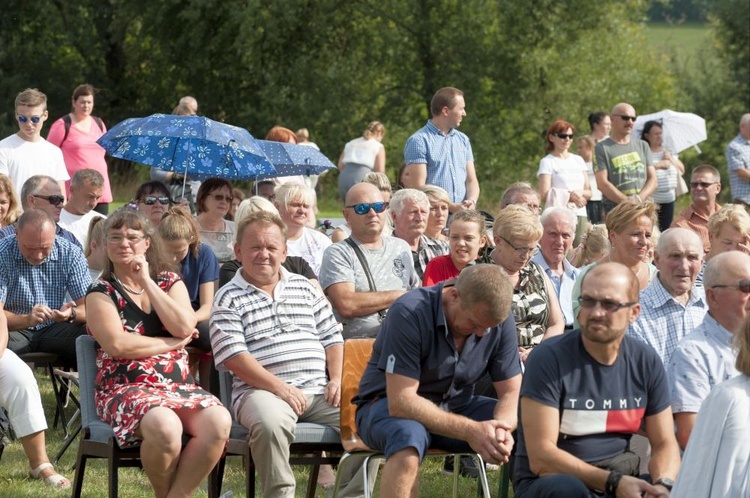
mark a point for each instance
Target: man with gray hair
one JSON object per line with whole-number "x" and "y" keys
{"x": 43, "y": 192}
{"x": 705, "y": 356}
{"x": 410, "y": 209}
{"x": 559, "y": 225}
{"x": 85, "y": 191}
{"x": 190, "y": 103}
{"x": 738, "y": 163}
{"x": 672, "y": 305}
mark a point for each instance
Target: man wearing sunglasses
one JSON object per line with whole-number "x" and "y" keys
{"x": 26, "y": 153}
{"x": 623, "y": 169}
{"x": 738, "y": 164}
{"x": 586, "y": 392}
{"x": 44, "y": 193}
{"x": 705, "y": 185}
{"x": 439, "y": 154}
{"x": 705, "y": 357}
{"x": 359, "y": 302}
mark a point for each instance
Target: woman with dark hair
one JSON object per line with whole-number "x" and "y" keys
{"x": 9, "y": 208}
{"x": 563, "y": 178}
{"x": 600, "y": 124}
{"x": 361, "y": 156}
{"x": 139, "y": 312}
{"x": 153, "y": 199}
{"x": 669, "y": 169}
{"x": 76, "y": 134}
{"x": 213, "y": 203}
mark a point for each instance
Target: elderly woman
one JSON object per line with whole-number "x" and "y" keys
{"x": 439, "y": 204}
{"x": 629, "y": 226}
{"x": 669, "y": 169}
{"x": 361, "y": 156}
{"x": 153, "y": 199}
{"x": 535, "y": 306}
{"x": 213, "y": 203}
{"x": 9, "y": 208}
{"x": 729, "y": 230}
{"x": 76, "y": 134}
{"x": 465, "y": 240}
{"x": 563, "y": 177}
{"x": 140, "y": 314}
{"x": 294, "y": 201}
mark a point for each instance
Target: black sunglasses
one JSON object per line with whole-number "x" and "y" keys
{"x": 150, "y": 200}
{"x": 606, "y": 304}
{"x": 701, "y": 184}
{"x": 743, "y": 286}
{"x": 626, "y": 118}
{"x": 364, "y": 208}
{"x": 563, "y": 136}
{"x": 55, "y": 200}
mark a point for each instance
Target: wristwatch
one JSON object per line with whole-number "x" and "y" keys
{"x": 73, "y": 315}
{"x": 666, "y": 482}
{"x": 613, "y": 480}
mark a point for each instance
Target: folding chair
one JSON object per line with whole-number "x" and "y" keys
{"x": 310, "y": 440}
{"x": 357, "y": 353}
{"x": 50, "y": 361}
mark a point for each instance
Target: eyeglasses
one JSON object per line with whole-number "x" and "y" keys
{"x": 24, "y": 119}
{"x": 132, "y": 239}
{"x": 626, "y": 118}
{"x": 607, "y": 305}
{"x": 743, "y": 286}
{"x": 364, "y": 208}
{"x": 55, "y": 200}
{"x": 220, "y": 197}
{"x": 523, "y": 252}
{"x": 150, "y": 200}
{"x": 563, "y": 136}
{"x": 701, "y": 184}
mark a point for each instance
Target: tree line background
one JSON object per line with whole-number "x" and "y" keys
{"x": 334, "y": 65}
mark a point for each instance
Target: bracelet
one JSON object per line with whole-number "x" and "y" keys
{"x": 613, "y": 480}
{"x": 73, "y": 315}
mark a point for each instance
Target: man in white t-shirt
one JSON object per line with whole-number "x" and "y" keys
{"x": 26, "y": 153}
{"x": 85, "y": 190}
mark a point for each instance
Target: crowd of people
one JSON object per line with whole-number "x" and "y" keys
{"x": 582, "y": 333}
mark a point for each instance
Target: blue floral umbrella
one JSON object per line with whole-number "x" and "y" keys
{"x": 291, "y": 159}
{"x": 192, "y": 145}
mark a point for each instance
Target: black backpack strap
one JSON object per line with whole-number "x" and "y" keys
{"x": 99, "y": 123}
{"x": 366, "y": 268}
{"x": 66, "y": 119}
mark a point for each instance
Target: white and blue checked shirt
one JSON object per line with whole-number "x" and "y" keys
{"x": 738, "y": 157}
{"x": 22, "y": 285}
{"x": 664, "y": 321}
{"x": 703, "y": 359}
{"x": 445, "y": 156}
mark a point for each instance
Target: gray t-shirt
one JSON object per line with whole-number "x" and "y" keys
{"x": 391, "y": 266}
{"x": 626, "y": 165}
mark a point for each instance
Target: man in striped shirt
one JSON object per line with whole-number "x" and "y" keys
{"x": 277, "y": 334}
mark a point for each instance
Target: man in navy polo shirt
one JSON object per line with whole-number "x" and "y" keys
{"x": 417, "y": 391}
{"x": 439, "y": 154}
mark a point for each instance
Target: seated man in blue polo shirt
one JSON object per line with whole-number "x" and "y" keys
{"x": 417, "y": 391}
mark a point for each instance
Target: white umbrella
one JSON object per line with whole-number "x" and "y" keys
{"x": 682, "y": 130}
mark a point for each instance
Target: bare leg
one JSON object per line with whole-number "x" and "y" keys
{"x": 161, "y": 431}
{"x": 36, "y": 451}
{"x": 209, "y": 431}
{"x": 400, "y": 475}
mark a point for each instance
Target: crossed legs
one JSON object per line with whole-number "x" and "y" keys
{"x": 175, "y": 472}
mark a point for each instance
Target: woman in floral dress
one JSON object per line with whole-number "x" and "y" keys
{"x": 141, "y": 317}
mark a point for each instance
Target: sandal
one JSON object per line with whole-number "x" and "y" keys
{"x": 53, "y": 480}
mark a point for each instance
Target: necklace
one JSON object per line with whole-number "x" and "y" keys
{"x": 137, "y": 293}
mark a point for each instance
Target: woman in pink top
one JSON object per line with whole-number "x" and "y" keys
{"x": 465, "y": 238}
{"x": 76, "y": 134}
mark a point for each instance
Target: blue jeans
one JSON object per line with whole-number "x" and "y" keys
{"x": 553, "y": 486}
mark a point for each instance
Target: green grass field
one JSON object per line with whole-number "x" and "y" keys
{"x": 682, "y": 42}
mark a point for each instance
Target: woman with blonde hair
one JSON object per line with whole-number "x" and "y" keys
{"x": 9, "y": 208}
{"x": 96, "y": 250}
{"x": 440, "y": 203}
{"x": 594, "y": 246}
{"x": 361, "y": 156}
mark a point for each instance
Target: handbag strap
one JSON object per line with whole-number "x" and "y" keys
{"x": 365, "y": 267}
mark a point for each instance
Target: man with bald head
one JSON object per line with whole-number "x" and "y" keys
{"x": 623, "y": 169}
{"x": 672, "y": 304}
{"x": 37, "y": 271}
{"x": 705, "y": 356}
{"x": 583, "y": 396}
{"x": 363, "y": 274}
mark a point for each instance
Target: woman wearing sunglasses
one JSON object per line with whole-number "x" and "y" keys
{"x": 76, "y": 134}
{"x": 563, "y": 176}
{"x": 153, "y": 199}
{"x": 537, "y": 312}
{"x": 213, "y": 203}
